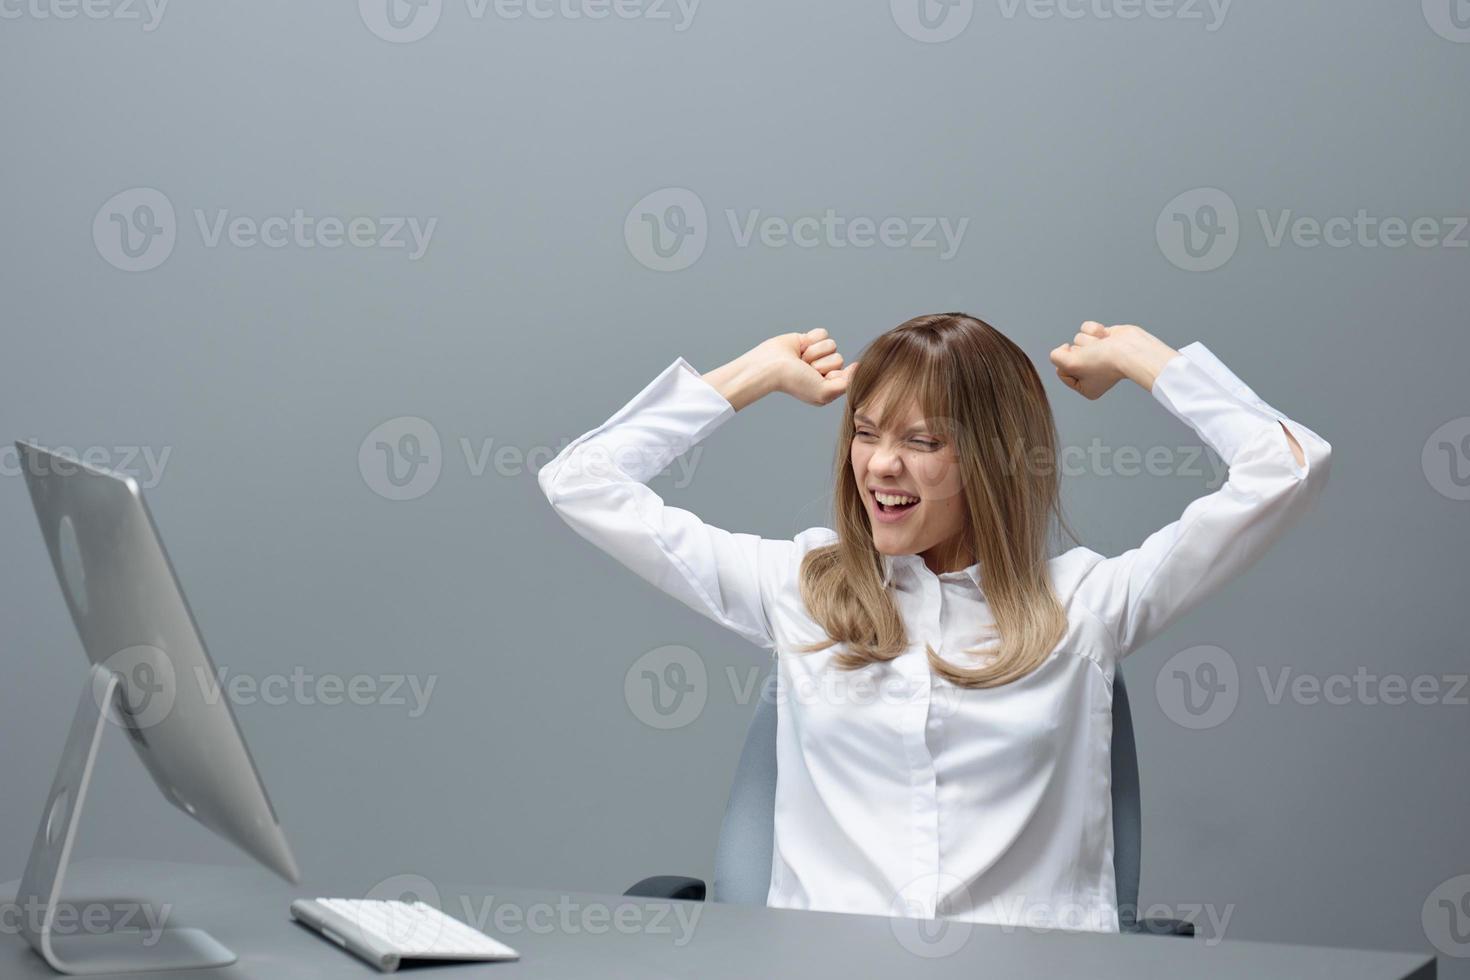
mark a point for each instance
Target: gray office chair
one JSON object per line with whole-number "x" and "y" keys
{"x": 743, "y": 855}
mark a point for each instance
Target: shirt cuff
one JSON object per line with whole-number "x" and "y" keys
{"x": 673, "y": 412}
{"x": 1206, "y": 359}
{"x": 689, "y": 385}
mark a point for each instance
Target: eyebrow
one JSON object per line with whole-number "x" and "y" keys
{"x": 862, "y": 419}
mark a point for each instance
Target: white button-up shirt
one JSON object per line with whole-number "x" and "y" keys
{"x": 897, "y": 792}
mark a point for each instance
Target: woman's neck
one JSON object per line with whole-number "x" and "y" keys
{"x": 953, "y": 555}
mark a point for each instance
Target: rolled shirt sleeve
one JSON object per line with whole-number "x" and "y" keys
{"x": 1141, "y": 592}
{"x": 597, "y": 484}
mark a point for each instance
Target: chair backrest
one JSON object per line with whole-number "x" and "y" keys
{"x": 743, "y": 855}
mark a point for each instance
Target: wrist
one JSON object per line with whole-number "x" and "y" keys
{"x": 1143, "y": 361}
{"x": 741, "y": 381}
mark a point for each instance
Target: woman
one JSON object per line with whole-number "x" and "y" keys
{"x": 946, "y": 711}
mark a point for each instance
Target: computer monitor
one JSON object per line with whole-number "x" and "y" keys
{"x": 152, "y": 678}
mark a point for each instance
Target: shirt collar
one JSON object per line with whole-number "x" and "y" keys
{"x": 892, "y": 564}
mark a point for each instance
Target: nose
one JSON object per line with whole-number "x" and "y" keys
{"x": 885, "y": 462}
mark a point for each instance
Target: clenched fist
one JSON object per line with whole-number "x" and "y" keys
{"x": 1099, "y": 357}
{"x": 803, "y": 365}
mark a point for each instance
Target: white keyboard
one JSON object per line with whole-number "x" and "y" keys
{"x": 386, "y": 933}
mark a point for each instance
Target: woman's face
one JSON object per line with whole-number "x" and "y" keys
{"x": 909, "y": 480}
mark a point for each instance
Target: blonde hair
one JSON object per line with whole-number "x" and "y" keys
{"x": 983, "y": 393}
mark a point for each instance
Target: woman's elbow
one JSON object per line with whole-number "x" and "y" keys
{"x": 1319, "y": 460}
{"x": 1312, "y": 470}
{"x": 1311, "y": 455}
{"x": 546, "y": 478}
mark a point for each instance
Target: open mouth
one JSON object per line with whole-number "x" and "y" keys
{"x": 894, "y": 505}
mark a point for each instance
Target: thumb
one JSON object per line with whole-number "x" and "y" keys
{"x": 837, "y": 381}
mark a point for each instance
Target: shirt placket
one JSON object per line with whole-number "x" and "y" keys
{"x": 923, "y": 789}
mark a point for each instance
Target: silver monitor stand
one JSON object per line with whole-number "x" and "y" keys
{"x": 80, "y": 951}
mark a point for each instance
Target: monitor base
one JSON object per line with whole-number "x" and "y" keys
{"x": 136, "y": 952}
{"x": 74, "y": 936}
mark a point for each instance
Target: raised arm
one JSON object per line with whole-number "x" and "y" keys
{"x": 1277, "y": 468}
{"x": 598, "y": 482}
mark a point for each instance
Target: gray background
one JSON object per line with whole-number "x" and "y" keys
{"x": 529, "y": 320}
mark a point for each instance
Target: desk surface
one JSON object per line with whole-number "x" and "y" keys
{"x": 569, "y": 935}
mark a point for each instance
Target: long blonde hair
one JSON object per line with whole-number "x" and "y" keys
{"x": 982, "y": 390}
